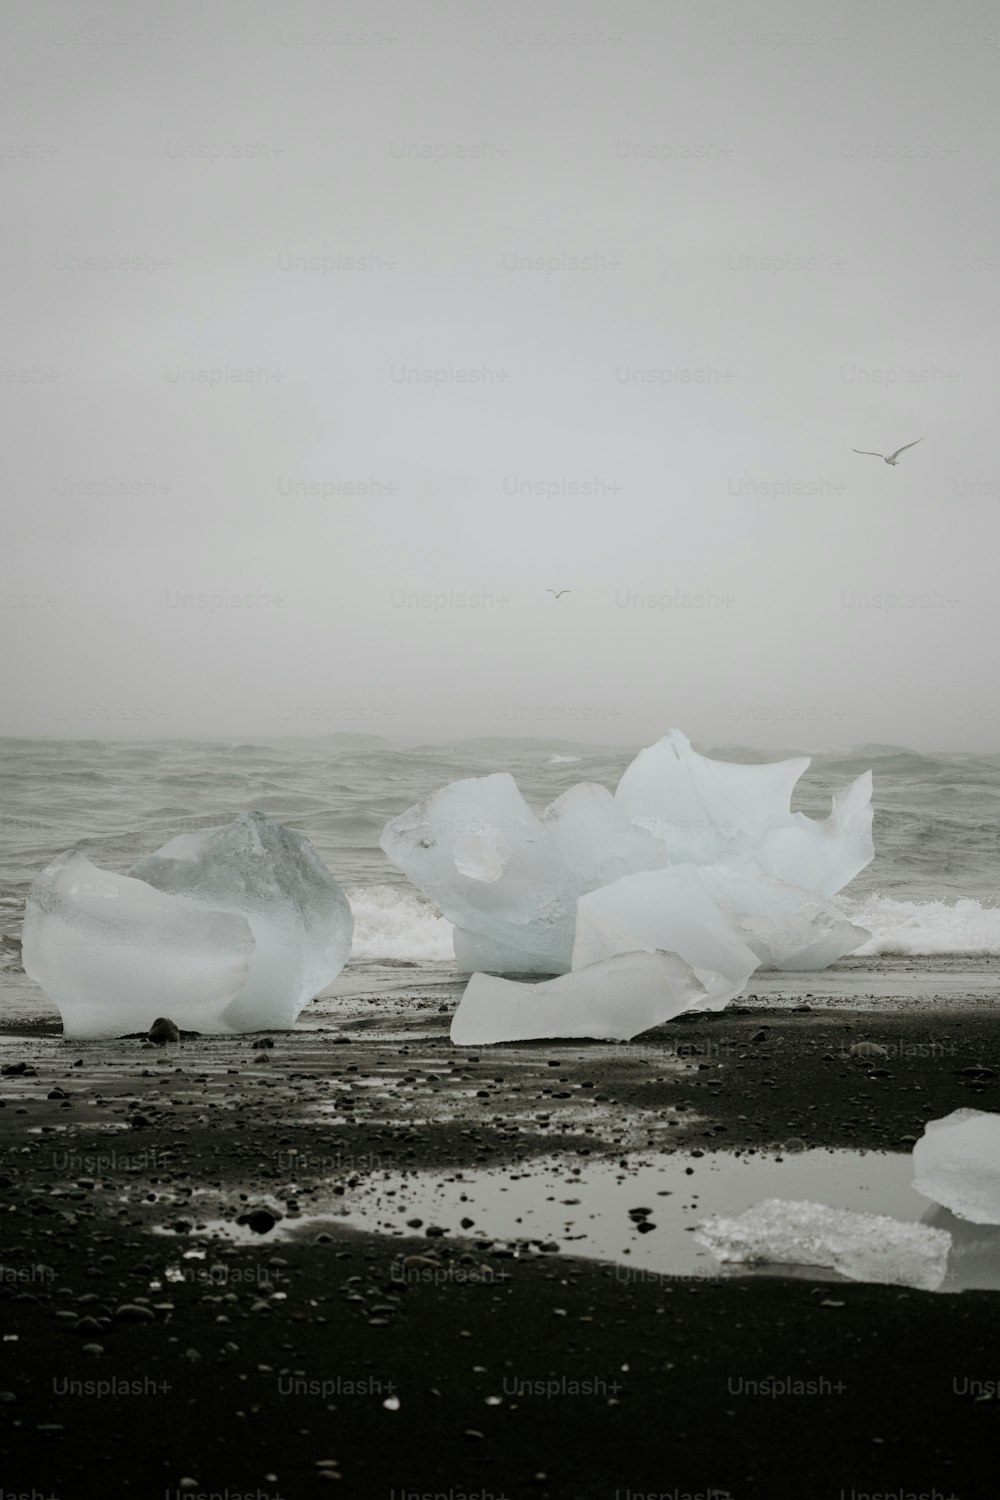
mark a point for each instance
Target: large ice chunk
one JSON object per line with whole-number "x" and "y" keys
{"x": 670, "y": 910}
{"x": 711, "y": 811}
{"x": 956, "y": 1163}
{"x": 272, "y": 876}
{"x": 510, "y": 881}
{"x": 863, "y": 1247}
{"x": 494, "y": 870}
{"x": 114, "y": 954}
{"x": 614, "y": 1000}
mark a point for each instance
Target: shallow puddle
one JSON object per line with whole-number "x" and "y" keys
{"x": 584, "y": 1210}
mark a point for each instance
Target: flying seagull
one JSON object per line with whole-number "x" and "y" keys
{"x": 888, "y": 458}
{"x": 560, "y": 593}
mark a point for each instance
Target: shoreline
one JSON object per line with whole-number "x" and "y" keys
{"x": 385, "y": 1090}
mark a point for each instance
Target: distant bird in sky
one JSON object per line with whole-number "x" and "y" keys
{"x": 560, "y": 593}
{"x": 889, "y": 458}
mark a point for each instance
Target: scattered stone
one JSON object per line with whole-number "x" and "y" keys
{"x": 259, "y": 1220}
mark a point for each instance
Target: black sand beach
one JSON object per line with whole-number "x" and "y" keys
{"x": 266, "y": 1367}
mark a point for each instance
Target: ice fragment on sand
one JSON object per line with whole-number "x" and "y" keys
{"x": 509, "y": 880}
{"x": 114, "y": 954}
{"x": 863, "y": 1247}
{"x": 272, "y": 876}
{"x": 228, "y": 929}
{"x": 616, "y": 1000}
{"x": 956, "y": 1163}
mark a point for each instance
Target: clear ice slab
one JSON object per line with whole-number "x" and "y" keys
{"x": 671, "y": 911}
{"x": 956, "y": 1163}
{"x": 862, "y": 1247}
{"x": 614, "y": 1000}
{"x": 272, "y": 876}
{"x": 226, "y": 930}
{"x": 113, "y": 954}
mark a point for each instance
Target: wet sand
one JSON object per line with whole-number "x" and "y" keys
{"x": 517, "y": 1371}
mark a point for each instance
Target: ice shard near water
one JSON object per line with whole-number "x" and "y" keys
{"x": 690, "y": 855}
{"x": 272, "y": 876}
{"x": 228, "y": 929}
{"x": 863, "y": 1247}
{"x": 956, "y": 1163}
{"x": 614, "y": 1000}
{"x": 113, "y": 954}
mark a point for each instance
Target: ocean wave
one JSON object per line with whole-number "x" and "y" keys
{"x": 963, "y": 927}
{"x": 390, "y": 923}
{"x": 394, "y": 923}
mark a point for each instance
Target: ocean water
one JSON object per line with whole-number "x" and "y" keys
{"x": 932, "y": 889}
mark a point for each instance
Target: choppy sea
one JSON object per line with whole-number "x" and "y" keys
{"x": 932, "y": 889}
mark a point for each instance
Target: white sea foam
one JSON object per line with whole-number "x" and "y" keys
{"x": 964, "y": 927}
{"x": 390, "y": 922}
{"x": 393, "y": 923}
{"x": 563, "y": 760}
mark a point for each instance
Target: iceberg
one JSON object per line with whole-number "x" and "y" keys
{"x": 862, "y": 1247}
{"x": 230, "y": 929}
{"x": 510, "y": 881}
{"x": 956, "y": 1163}
{"x": 614, "y": 1000}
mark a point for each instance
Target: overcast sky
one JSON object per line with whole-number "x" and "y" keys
{"x": 541, "y": 295}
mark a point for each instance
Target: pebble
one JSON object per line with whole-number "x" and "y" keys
{"x": 130, "y": 1312}
{"x": 259, "y": 1220}
{"x": 163, "y": 1030}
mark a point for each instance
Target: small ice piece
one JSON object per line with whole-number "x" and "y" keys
{"x": 614, "y": 1000}
{"x": 712, "y": 811}
{"x": 672, "y": 911}
{"x": 271, "y": 875}
{"x": 974, "y": 1262}
{"x": 113, "y": 954}
{"x": 862, "y": 1247}
{"x": 956, "y": 1163}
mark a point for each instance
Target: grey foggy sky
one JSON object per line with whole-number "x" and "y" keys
{"x": 677, "y": 149}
